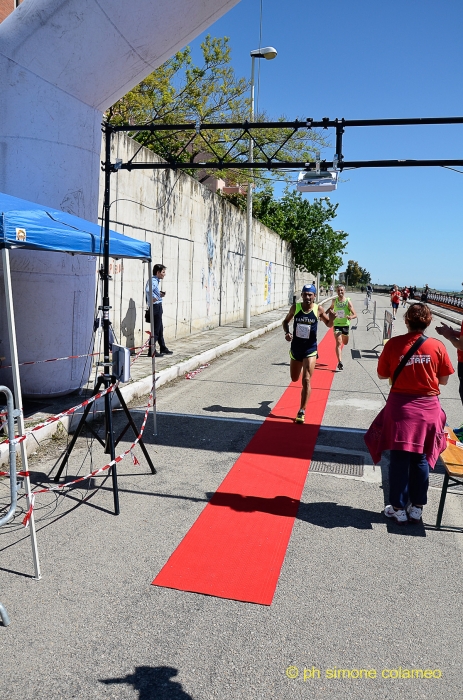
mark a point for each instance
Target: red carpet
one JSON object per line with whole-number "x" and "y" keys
{"x": 236, "y": 547}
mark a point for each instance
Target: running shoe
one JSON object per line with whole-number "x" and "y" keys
{"x": 400, "y": 515}
{"x": 414, "y": 513}
{"x": 340, "y": 366}
{"x": 300, "y": 416}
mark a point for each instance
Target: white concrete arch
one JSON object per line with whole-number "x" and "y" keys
{"x": 62, "y": 63}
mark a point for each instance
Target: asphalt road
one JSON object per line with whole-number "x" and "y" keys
{"x": 355, "y": 592}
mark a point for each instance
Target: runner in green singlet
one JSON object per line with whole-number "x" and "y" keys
{"x": 341, "y": 313}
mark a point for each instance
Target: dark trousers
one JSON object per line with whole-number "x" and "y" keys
{"x": 158, "y": 334}
{"x": 408, "y": 478}
{"x": 460, "y": 375}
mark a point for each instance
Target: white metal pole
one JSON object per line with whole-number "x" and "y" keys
{"x": 318, "y": 287}
{"x": 248, "y": 249}
{"x": 18, "y": 399}
{"x": 153, "y": 348}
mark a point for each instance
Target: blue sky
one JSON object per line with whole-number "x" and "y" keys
{"x": 365, "y": 59}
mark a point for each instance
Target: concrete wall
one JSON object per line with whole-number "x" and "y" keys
{"x": 200, "y": 238}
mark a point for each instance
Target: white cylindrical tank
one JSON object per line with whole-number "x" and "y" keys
{"x": 58, "y": 303}
{"x": 62, "y": 63}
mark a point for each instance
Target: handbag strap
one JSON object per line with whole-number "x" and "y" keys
{"x": 417, "y": 344}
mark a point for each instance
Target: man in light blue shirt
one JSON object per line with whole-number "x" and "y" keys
{"x": 159, "y": 272}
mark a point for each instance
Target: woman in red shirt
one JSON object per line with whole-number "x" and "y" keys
{"x": 411, "y": 425}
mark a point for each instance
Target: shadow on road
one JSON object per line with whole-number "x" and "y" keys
{"x": 153, "y": 683}
{"x": 264, "y": 409}
{"x": 280, "y": 505}
{"x": 330, "y": 515}
{"x": 325, "y": 514}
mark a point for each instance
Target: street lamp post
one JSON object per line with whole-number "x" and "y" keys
{"x": 268, "y": 53}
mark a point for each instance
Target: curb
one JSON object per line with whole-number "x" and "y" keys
{"x": 141, "y": 387}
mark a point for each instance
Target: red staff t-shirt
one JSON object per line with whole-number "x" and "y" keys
{"x": 420, "y": 374}
{"x": 395, "y": 297}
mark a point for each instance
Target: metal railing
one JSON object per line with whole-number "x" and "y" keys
{"x": 448, "y": 301}
{"x": 11, "y": 414}
{"x": 387, "y": 327}
{"x": 373, "y": 324}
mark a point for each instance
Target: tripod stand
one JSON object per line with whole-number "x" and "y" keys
{"x": 106, "y": 379}
{"x": 109, "y": 443}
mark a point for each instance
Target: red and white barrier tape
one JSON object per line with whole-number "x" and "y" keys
{"x": 70, "y": 411}
{"x": 116, "y": 460}
{"x": 53, "y": 419}
{"x": 191, "y": 375}
{"x": 54, "y": 359}
{"x": 69, "y": 357}
{"x": 142, "y": 347}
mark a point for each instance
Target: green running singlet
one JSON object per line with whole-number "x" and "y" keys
{"x": 341, "y": 309}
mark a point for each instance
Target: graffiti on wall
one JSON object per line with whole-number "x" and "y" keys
{"x": 235, "y": 264}
{"x": 268, "y": 283}
{"x": 208, "y": 280}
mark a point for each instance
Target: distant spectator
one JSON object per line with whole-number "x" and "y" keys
{"x": 159, "y": 272}
{"x": 395, "y": 300}
{"x": 424, "y": 296}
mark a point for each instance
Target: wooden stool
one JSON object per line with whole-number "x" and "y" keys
{"x": 452, "y": 458}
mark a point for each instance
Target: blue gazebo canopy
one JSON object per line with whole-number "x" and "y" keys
{"x": 32, "y": 226}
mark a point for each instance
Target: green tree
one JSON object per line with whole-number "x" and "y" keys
{"x": 316, "y": 246}
{"x": 180, "y": 91}
{"x": 356, "y": 275}
{"x": 366, "y": 277}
